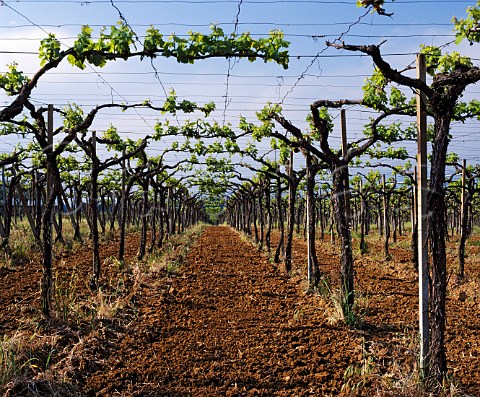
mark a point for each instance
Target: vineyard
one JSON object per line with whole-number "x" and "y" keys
{"x": 163, "y": 245}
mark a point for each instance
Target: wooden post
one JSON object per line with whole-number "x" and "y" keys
{"x": 343, "y": 122}
{"x": 360, "y": 191}
{"x": 95, "y": 215}
{"x": 422, "y": 218}
{"x": 4, "y": 192}
{"x": 385, "y": 220}
{"x": 414, "y": 198}
{"x": 79, "y": 200}
{"x": 47, "y": 279}
{"x": 49, "y": 174}
{"x": 309, "y": 237}
{"x": 362, "y": 218}
{"x": 50, "y": 147}
{"x": 464, "y": 172}
{"x": 121, "y": 254}
{"x": 287, "y": 247}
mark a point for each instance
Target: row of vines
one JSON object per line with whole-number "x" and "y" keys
{"x": 60, "y": 177}
{"x": 377, "y": 204}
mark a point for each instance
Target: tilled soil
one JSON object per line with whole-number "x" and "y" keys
{"x": 228, "y": 325}
{"x": 231, "y": 324}
{"x": 388, "y": 296}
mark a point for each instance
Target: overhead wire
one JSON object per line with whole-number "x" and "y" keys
{"x": 276, "y": 24}
{"x": 124, "y": 20}
{"x": 230, "y": 66}
{"x": 92, "y": 2}
{"x": 3, "y": 3}
{"x": 242, "y": 23}
{"x": 286, "y": 34}
{"x": 318, "y": 56}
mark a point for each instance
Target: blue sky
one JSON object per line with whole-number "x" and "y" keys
{"x": 306, "y": 24}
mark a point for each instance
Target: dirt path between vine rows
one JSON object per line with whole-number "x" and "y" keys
{"x": 229, "y": 324}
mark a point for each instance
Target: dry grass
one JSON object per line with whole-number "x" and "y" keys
{"x": 38, "y": 363}
{"x": 174, "y": 252}
{"x": 25, "y": 366}
{"x": 352, "y": 317}
{"x": 11, "y": 364}
{"x": 376, "y": 375}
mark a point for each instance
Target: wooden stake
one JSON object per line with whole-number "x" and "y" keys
{"x": 385, "y": 220}
{"x": 124, "y": 178}
{"x": 422, "y": 218}
{"x": 343, "y": 122}
{"x": 123, "y": 209}
{"x": 50, "y": 147}
{"x": 49, "y": 174}
{"x": 309, "y": 237}
{"x": 4, "y": 192}
{"x": 414, "y": 198}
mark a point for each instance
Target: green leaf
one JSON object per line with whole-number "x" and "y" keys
{"x": 468, "y": 28}
{"x": 13, "y": 80}
{"x": 374, "y": 94}
{"x": 153, "y": 40}
{"x": 84, "y": 44}
{"x": 49, "y": 49}
{"x": 72, "y": 116}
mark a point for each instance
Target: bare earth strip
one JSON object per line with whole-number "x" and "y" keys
{"x": 227, "y": 325}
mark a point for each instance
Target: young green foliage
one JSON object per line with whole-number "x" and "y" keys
{"x": 120, "y": 43}
{"x": 49, "y": 49}
{"x": 468, "y": 28}
{"x": 72, "y": 116}
{"x": 13, "y": 80}
{"x": 438, "y": 62}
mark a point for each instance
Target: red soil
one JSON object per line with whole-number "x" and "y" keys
{"x": 231, "y": 324}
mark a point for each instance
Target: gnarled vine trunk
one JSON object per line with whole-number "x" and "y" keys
{"x": 346, "y": 256}
{"x": 436, "y": 211}
{"x": 314, "y": 270}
